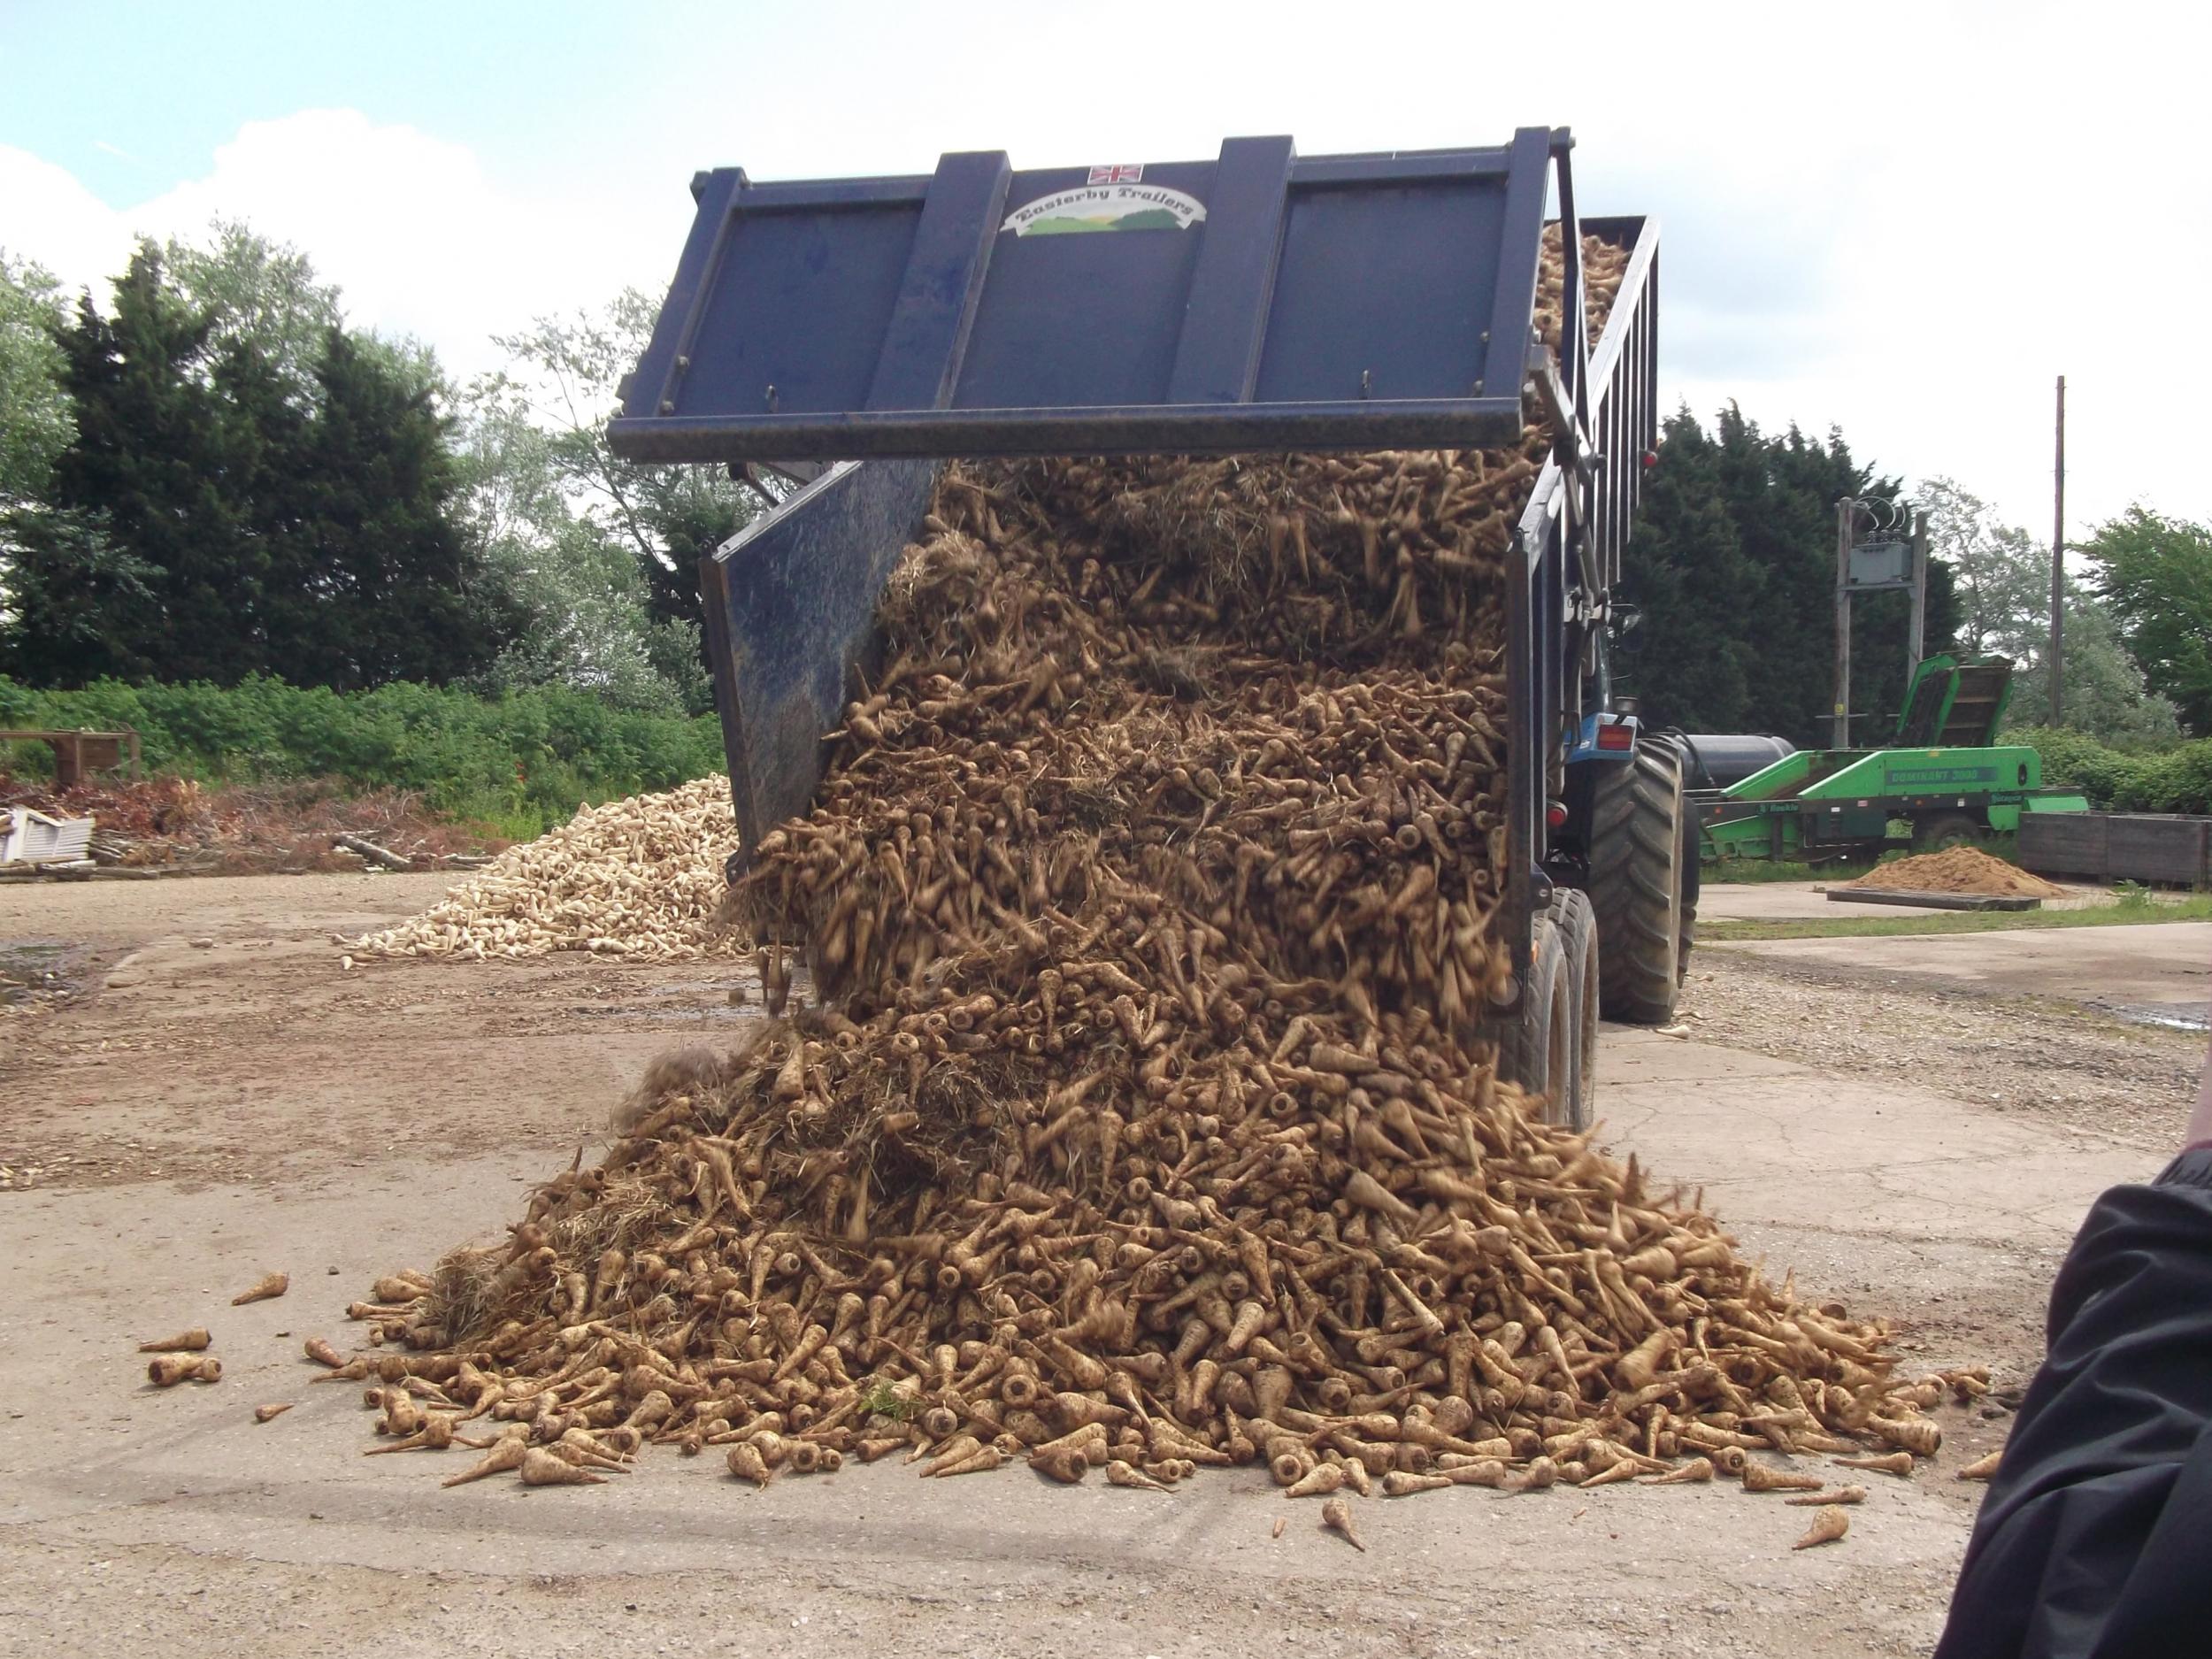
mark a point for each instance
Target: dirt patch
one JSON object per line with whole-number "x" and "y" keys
{"x": 1958, "y": 870}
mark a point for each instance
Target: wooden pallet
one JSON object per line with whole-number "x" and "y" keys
{"x": 1933, "y": 901}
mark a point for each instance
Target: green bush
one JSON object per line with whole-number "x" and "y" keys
{"x": 520, "y": 761}
{"x": 2170, "y": 778}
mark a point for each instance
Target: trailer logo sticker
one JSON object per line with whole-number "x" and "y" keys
{"x": 1117, "y": 198}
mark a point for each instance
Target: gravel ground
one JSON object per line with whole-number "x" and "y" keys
{"x": 2043, "y": 1058}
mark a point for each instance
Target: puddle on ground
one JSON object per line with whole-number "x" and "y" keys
{"x": 2164, "y": 1016}
{"x": 38, "y": 967}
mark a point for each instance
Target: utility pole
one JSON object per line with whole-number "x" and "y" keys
{"x": 2058, "y": 565}
{"x": 1840, "y": 733}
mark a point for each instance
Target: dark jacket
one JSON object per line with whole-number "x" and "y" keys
{"x": 2096, "y": 1536}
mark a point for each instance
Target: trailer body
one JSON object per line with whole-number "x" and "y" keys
{"x": 1261, "y": 300}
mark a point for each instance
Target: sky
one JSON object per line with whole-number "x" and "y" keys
{"x": 1901, "y": 220}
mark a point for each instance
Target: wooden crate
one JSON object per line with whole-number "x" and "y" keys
{"x": 2166, "y": 848}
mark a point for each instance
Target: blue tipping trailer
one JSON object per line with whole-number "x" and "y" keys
{"x": 1259, "y": 300}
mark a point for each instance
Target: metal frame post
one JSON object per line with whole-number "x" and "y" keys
{"x": 1915, "y": 638}
{"x": 1840, "y": 734}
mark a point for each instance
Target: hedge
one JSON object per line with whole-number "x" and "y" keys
{"x": 521, "y": 761}
{"x": 2177, "y": 777}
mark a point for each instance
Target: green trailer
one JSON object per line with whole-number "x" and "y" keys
{"x": 1942, "y": 781}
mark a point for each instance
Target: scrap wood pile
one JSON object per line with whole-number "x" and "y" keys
{"x": 178, "y": 825}
{"x": 639, "y": 878}
{"x": 1958, "y": 870}
{"x": 1147, "y": 1122}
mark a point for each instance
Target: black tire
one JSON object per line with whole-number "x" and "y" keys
{"x": 1578, "y": 926}
{"x": 1540, "y": 1048}
{"x": 1637, "y": 884}
{"x": 1933, "y": 831}
{"x": 1693, "y": 883}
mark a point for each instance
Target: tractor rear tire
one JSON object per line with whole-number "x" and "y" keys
{"x": 1638, "y": 885}
{"x": 1548, "y": 1049}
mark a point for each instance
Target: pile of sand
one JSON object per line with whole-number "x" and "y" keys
{"x": 1958, "y": 870}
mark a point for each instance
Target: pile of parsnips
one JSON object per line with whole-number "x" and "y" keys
{"x": 639, "y": 877}
{"x": 1148, "y": 1122}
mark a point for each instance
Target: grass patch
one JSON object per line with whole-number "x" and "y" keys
{"x": 2129, "y": 912}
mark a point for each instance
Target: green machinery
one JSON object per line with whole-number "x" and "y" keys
{"x": 1941, "y": 775}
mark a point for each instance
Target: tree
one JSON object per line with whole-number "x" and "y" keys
{"x": 2002, "y": 577}
{"x": 1685, "y": 565}
{"x": 2156, "y": 574}
{"x": 240, "y": 524}
{"x": 379, "y": 581}
{"x": 588, "y": 620}
{"x": 2103, "y": 694}
{"x": 167, "y": 466}
{"x": 258, "y": 294}
{"x": 1733, "y": 561}
{"x": 568, "y": 369}
{"x": 78, "y": 604}
{"x": 35, "y": 420}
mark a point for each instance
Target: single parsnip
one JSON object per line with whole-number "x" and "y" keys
{"x": 1066, "y": 1465}
{"x": 1889, "y": 1463}
{"x": 1981, "y": 1468}
{"x": 266, "y": 1287}
{"x": 1539, "y": 1474}
{"x": 1317, "y": 1482}
{"x": 166, "y": 1370}
{"x": 1833, "y": 1495}
{"x": 1121, "y": 1474}
{"x": 1487, "y": 1471}
{"x": 435, "y": 1435}
{"x": 185, "y": 1342}
{"x": 747, "y": 1463}
{"x": 1766, "y": 1477}
{"x": 322, "y": 1353}
{"x": 1336, "y": 1516}
{"x": 1399, "y": 1484}
{"x": 263, "y": 1414}
{"x": 503, "y": 1455}
{"x": 983, "y": 1459}
{"x": 1698, "y": 1470}
{"x": 1829, "y": 1525}
{"x": 1916, "y": 1435}
{"x": 542, "y": 1468}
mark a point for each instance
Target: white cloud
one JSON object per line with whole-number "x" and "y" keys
{"x": 422, "y": 241}
{"x": 1903, "y": 224}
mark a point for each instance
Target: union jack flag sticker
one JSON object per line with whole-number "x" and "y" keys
{"x": 1121, "y": 172}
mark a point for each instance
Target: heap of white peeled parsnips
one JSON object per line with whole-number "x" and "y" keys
{"x": 638, "y": 878}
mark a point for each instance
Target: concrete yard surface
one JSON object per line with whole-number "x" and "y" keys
{"x": 224, "y": 1107}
